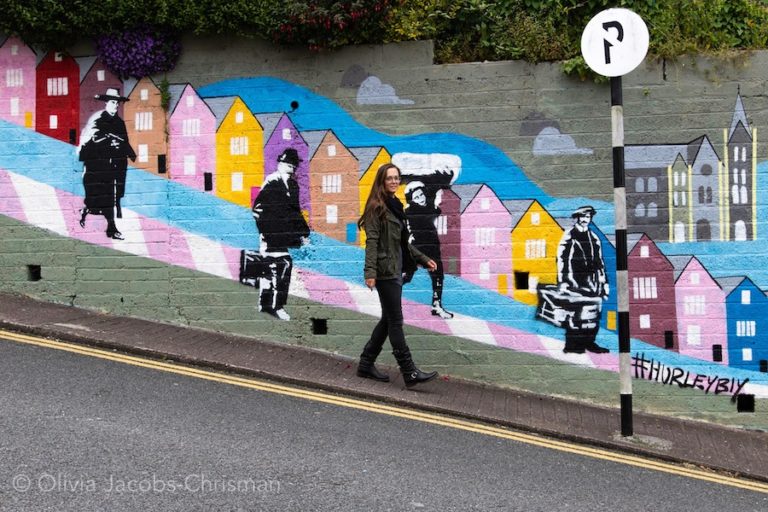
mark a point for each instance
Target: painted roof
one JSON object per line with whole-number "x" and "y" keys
{"x": 517, "y": 208}
{"x": 220, "y": 106}
{"x": 679, "y": 263}
{"x": 739, "y": 116}
{"x": 269, "y": 122}
{"x": 365, "y": 155}
{"x": 465, "y": 193}
{"x": 314, "y": 138}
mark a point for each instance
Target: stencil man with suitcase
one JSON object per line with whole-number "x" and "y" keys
{"x": 281, "y": 226}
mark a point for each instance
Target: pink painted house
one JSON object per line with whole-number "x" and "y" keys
{"x": 17, "y": 83}
{"x": 191, "y": 139}
{"x": 652, "y": 303}
{"x": 486, "y": 248}
{"x": 701, "y": 313}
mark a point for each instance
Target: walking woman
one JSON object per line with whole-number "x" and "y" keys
{"x": 388, "y": 256}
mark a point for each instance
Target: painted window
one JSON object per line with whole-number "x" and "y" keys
{"x": 239, "y": 117}
{"x": 143, "y": 121}
{"x": 238, "y": 146}
{"x": 746, "y": 354}
{"x": 190, "y": 101}
{"x": 639, "y": 185}
{"x": 645, "y": 321}
{"x": 58, "y": 57}
{"x": 237, "y": 182}
{"x": 675, "y": 200}
{"x": 694, "y": 335}
{"x": 143, "y": 153}
{"x": 190, "y": 165}
{"x": 58, "y": 86}
{"x": 735, "y": 153}
{"x": 14, "y": 49}
{"x": 14, "y": 78}
{"x": 745, "y": 328}
{"x": 694, "y": 304}
{"x": 485, "y": 270}
{"x": 535, "y": 218}
{"x": 743, "y": 153}
{"x": 535, "y": 249}
{"x": 332, "y": 214}
{"x": 53, "y": 122}
{"x": 746, "y": 296}
{"x": 14, "y": 106}
{"x": 741, "y": 231}
{"x": 679, "y": 232}
{"x": 485, "y": 237}
{"x": 331, "y": 183}
{"x": 644, "y": 251}
{"x": 287, "y": 134}
{"x": 640, "y": 210}
{"x": 441, "y": 224}
{"x": 190, "y": 127}
{"x": 694, "y": 278}
{"x": 101, "y": 75}
{"x": 144, "y": 94}
{"x": 644, "y": 288}
{"x": 485, "y": 203}
{"x": 331, "y": 149}
{"x": 652, "y": 185}
{"x": 653, "y": 210}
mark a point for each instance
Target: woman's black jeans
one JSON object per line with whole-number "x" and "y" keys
{"x": 391, "y": 324}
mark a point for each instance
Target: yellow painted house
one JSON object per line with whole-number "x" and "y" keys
{"x": 371, "y": 158}
{"x": 535, "y": 237}
{"x": 239, "y": 150}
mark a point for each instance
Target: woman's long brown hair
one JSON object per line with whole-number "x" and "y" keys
{"x": 376, "y": 205}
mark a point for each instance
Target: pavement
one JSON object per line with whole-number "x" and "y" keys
{"x": 720, "y": 448}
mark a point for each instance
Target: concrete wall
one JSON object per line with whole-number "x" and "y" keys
{"x": 518, "y": 148}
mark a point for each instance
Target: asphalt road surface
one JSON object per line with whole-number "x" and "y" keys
{"x": 83, "y": 434}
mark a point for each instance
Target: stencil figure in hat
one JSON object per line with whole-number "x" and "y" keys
{"x": 281, "y": 226}
{"x": 104, "y": 150}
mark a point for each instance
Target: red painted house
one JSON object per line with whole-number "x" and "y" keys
{"x": 652, "y": 296}
{"x": 58, "y": 97}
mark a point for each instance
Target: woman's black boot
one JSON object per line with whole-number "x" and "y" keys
{"x": 411, "y": 374}
{"x": 366, "y": 369}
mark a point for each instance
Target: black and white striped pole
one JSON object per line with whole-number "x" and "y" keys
{"x": 614, "y": 43}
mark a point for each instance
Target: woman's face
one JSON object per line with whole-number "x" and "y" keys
{"x": 392, "y": 180}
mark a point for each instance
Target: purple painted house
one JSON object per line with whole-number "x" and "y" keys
{"x": 280, "y": 134}
{"x": 191, "y": 139}
{"x": 701, "y": 312}
{"x": 95, "y": 79}
{"x": 652, "y": 303}
{"x": 17, "y": 89}
{"x": 486, "y": 247}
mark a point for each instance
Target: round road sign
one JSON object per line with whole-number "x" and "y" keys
{"x": 614, "y": 42}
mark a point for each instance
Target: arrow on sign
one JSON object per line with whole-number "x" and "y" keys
{"x": 619, "y": 37}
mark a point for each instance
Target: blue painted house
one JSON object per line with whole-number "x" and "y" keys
{"x": 747, "y": 313}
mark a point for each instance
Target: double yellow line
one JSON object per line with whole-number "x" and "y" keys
{"x": 400, "y": 412}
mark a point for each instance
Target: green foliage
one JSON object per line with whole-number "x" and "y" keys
{"x": 463, "y": 30}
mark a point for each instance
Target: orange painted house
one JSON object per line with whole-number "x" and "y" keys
{"x": 333, "y": 186}
{"x": 146, "y": 124}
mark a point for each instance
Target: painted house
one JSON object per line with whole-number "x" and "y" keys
{"x": 57, "y": 104}
{"x": 486, "y": 249}
{"x": 705, "y": 196}
{"x": 17, "y": 89}
{"x": 146, "y": 124}
{"x": 449, "y": 230}
{"x": 370, "y": 158}
{"x": 96, "y": 78}
{"x": 191, "y": 139}
{"x": 652, "y": 302}
{"x": 280, "y": 134}
{"x": 535, "y": 236}
{"x": 747, "y": 312}
{"x": 741, "y": 176}
{"x": 701, "y": 312}
{"x": 239, "y": 150}
{"x": 333, "y": 186}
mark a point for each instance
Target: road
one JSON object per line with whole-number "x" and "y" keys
{"x": 79, "y": 433}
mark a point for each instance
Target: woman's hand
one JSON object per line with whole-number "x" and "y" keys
{"x": 431, "y": 265}
{"x": 370, "y": 283}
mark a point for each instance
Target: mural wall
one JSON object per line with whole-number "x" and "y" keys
{"x": 261, "y": 180}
